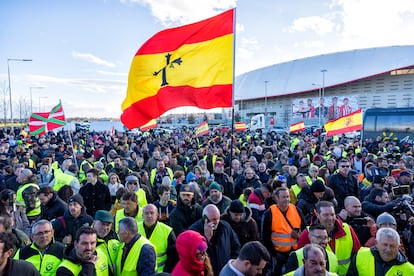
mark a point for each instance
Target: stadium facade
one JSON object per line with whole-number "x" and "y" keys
{"x": 291, "y": 91}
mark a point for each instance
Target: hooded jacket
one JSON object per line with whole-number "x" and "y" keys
{"x": 183, "y": 216}
{"x": 187, "y": 245}
{"x": 72, "y": 224}
{"x": 246, "y": 229}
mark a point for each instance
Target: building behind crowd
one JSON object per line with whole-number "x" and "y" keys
{"x": 364, "y": 78}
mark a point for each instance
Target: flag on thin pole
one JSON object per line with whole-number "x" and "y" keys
{"x": 202, "y": 129}
{"x": 42, "y": 122}
{"x": 191, "y": 65}
{"x": 296, "y": 127}
{"x": 348, "y": 123}
{"x": 240, "y": 126}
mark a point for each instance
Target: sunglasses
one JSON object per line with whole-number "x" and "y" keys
{"x": 345, "y": 166}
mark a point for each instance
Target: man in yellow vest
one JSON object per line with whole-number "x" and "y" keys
{"x": 317, "y": 235}
{"x": 136, "y": 255}
{"x": 84, "y": 259}
{"x": 44, "y": 253}
{"x": 382, "y": 259}
{"x": 131, "y": 209}
{"x": 27, "y": 195}
{"x": 342, "y": 238}
{"x": 161, "y": 236}
{"x": 282, "y": 225}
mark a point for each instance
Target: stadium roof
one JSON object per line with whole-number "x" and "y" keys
{"x": 302, "y": 75}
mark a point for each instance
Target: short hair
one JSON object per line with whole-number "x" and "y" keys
{"x": 46, "y": 190}
{"x": 9, "y": 240}
{"x": 94, "y": 171}
{"x": 39, "y": 223}
{"x": 387, "y": 232}
{"x": 254, "y": 252}
{"x": 6, "y": 221}
{"x": 73, "y": 168}
{"x": 376, "y": 192}
{"x": 130, "y": 196}
{"x": 311, "y": 247}
{"x": 280, "y": 189}
{"x": 129, "y": 224}
{"x": 316, "y": 226}
{"x": 85, "y": 230}
{"x": 178, "y": 174}
{"x": 163, "y": 188}
{"x": 323, "y": 203}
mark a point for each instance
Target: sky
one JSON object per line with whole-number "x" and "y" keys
{"x": 81, "y": 50}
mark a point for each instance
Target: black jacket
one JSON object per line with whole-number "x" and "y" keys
{"x": 56, "y": 207}
{"x": 70, "y": 224}
{"x": 306, "y": 203}
{"x": 375, "y": 208}
{"x": 184, "y": 216}
{"x": 223, "y": 246}
{"x": 96, "y": 197}
{"x": 88, "y": 268}
{"x": 20, "y": 267}
{"x": 246, "y": 229}
{"x": 343, "y": 187}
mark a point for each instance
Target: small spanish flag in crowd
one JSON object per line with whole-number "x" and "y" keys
{"x": 348, "y": 123}
{"x": 150, "y": 125}
{"x": 191, "y": 65}
{"x": 296, "y": 127}
{"x": 240, "y": 126}
{"x": 202, "y": 129}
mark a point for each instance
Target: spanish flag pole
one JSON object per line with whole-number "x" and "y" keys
{"x": 232, "y": 106}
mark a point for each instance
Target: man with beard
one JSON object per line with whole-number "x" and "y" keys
{"x": 251, "y": 261}
{"x": 222, "y": 178}
{"x": 247, "y": 179}
{"x": 217, "y": 198}
{"x": 66, "y": 226}
{"x": 84, "y": 259}
{"x": 308, "y": 198}
{"x": 187, "y": 210}
{"x": 44, "y": 253}
{"x": 8, "y": 266}
{"x": 107, "y": 241}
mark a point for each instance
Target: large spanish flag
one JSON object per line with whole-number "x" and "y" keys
{"x": 348, "y": 123}
{"x": 150, "y": 125}
{"x": 296, "y": 127}
{"x": 240, "y": 126}
{"x": 191, "y": 65}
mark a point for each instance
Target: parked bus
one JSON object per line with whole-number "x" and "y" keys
{"x": 392, "y": 124}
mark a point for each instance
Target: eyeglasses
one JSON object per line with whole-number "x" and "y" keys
{"x": 345, "y": 166}
{"x": 38, "y": 234}
{"x": 133, "y": 183}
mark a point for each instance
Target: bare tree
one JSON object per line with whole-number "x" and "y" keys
{"x": 4, "y": 90}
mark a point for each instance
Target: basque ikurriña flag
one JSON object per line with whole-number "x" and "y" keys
{"x": 42, "y": 122}
{"x": 191, "y": 65}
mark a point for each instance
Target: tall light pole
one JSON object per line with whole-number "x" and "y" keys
{"x": 10, "y": 94}
{"x": 320, "y": 108}
{"x": 265, "y": 82}
{"x": 31, "y": 98}
{"x": 323, "y": 82}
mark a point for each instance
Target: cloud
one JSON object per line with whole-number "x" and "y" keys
{"x": 179, "y": 12}
{"x": 92, "y": 59}
{"x": 317, "y": 24}
{"x": 310, "y": 44}
{"x": 248, "y": 46}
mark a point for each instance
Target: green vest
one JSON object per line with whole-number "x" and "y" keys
{"x": 333, "y": 261}
{"x": 296, "y": 189}
{"x": 62, "y": 179}
{"x": 46, "y": 263}
{"x": 131, "y": 261}
{"x": 343, "y": 247}
{"x": 120, "y": 215}
{"x": 20, "y": 200}
{"x": 101, "y": 265}
{"x": 110, "y": 250}
{"x": 142, "y": 197}
{"x": 82, "y": 173}
{"x": 104, "y": 177}
{"x": 365, "y": 264}
{"x": 159, "y": 238}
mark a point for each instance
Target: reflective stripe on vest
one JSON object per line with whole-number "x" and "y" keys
{"x": 281, "y": 239}
{"x": 20, "y": 200}
{"x": 154, "y": 173}
{"x": 120, "y": 215}
{"x": 62, "y": 179}
{"x": 333, "y": 261}
{"x": 159, "y": 238}
{"x": 343, "y": 247}
{"x": 131, "y": 261}
{"x": 365, "y": 264}
{"x": 101, "y": 266}
{"x": 110, "y": 249}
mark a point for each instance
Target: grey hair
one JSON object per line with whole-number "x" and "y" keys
{"x": 129, "y": 224}
{"x": 387, "y": 232}
{"x": 39, "y": 223}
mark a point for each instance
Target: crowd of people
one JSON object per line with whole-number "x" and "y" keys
{"x": 96, "y": 203}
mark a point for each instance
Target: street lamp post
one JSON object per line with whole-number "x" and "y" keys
{"x": 31, "y": 98}
{"x": 265, "y": 82}
{"x": 320, "y": 108}
{"x": 10, "y": 94}
{"x": 323, "y": 83}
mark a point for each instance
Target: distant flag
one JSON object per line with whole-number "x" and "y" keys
{"x": 296, "y": 127}
{"x": 150, "y": 125}
{"x": 24, "y": 133}
{"x": 240, "y": 126}
{"x": 42, "y": 122}
{"x": 348, "y": 123}
{"x": 202, "y": 129}
{"x": 191, "y": 65}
